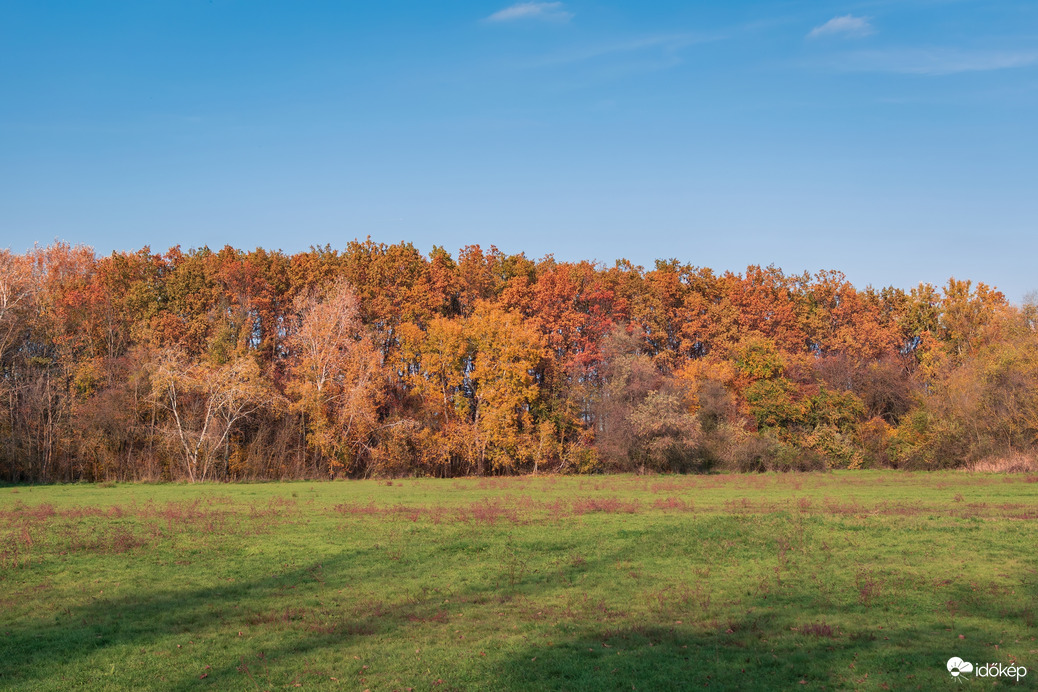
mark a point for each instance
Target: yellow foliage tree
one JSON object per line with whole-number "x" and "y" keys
{"x": 476, "y": 374}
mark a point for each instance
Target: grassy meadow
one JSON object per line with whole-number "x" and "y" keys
{"x": 846, "y": 580}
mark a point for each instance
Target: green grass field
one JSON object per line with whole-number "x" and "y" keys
{"x": 854, "y": 580}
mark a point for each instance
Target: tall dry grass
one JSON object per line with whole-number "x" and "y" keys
{"x": 1013, "y": 463}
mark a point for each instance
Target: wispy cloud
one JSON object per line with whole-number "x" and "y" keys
{"x": 934, "y": 61}
{"x": 848, "y": 26}
{"x": 545, "y": 11}
{"x": 668, "y": 44}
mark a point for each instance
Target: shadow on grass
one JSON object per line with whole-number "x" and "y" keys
{"x": 56, "y": 643}
{"x": 653, "y": 658}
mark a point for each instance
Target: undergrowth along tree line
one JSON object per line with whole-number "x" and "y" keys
{"x": 379, "y": 360}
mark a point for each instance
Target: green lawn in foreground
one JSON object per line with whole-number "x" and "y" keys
{"x": 854, "y": 580}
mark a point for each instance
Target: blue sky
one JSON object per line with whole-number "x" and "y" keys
{"x": 896, "y": 141}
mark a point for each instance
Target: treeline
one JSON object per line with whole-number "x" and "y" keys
{"x": 378, "y": 360}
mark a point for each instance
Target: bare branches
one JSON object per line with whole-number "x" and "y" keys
{"x": 205, "y": 403}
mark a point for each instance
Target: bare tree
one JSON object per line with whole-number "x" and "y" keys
{"x": 335, "y": 369}
{"x": 643, "y": 416}
{"x": 204, "y": 403}
{"x": 17, "y": 290}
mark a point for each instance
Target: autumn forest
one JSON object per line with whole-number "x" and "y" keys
{"x": 380, "y": 361}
